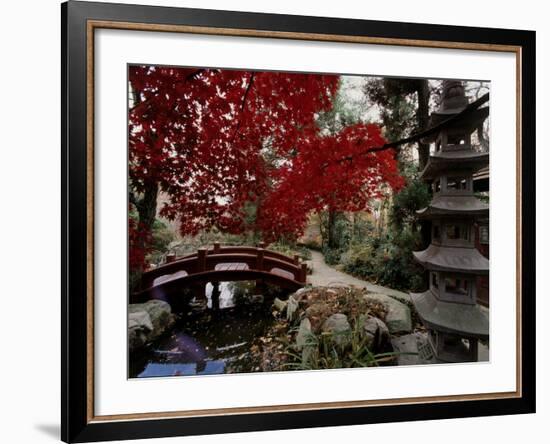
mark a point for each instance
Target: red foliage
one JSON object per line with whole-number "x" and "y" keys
{"x": 334, "y": 172}
{"x": 139, "y": 240}
{"x": 199, "y": 134}
{"x": 202, "y": 135}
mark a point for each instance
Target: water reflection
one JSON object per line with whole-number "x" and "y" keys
{"x": 154, "y": 370}
{"x": 205, "y": 341}
{"x": 227, "y": 299}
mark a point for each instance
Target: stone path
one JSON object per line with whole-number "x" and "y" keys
{"x": 325, "y": 275}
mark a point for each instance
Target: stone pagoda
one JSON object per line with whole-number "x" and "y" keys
{"x": 449, "y": 308}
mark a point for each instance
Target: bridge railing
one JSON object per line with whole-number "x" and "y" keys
{"x": 206, "y": 259}
{"x": 221, "y": 249}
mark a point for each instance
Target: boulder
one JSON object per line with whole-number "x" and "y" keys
{"x": 317, "y": 313}
{"x": 139, "y": 329}
{"x": 160, "y": 316}
{"x": 338, "y": 325}
{"x": 305, "y": 343}
{"x": 413, "y": 349}
{"x": 299, "y": 294}
{"x": 398, "y": 317}
{"x": 375, "y": 331}
{"x": 291, "y": 308}
{"x": 279, "y": 304}
{"x": 304, "y": 334}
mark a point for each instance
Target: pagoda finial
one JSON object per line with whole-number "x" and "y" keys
{"x": 453, "y": 97}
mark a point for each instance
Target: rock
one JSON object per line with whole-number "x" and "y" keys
{"x": 317, "y": 313}
{"x": 375, "y": 330}
{"x": 396, "y": 294}
{"x": 339, "y": 326}
{"x": 140, "y": 319}
{"x": 279, "y": 305}
{"x": 291, "y": 308}
{"x": 305, "y": 341}
{"x": 304, "y": 334}
{"x": 413, "y": 349}
{"x": 139, "y": 328}
{"x": 398, "y": 317}
{"x": 299, "y": 294}
{"x": 160, "y": 315}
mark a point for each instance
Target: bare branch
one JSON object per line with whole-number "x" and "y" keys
{"x": 421, "y": 135}
{"x": 245, "y": 96}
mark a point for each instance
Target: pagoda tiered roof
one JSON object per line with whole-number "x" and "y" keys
{"x": 448, "y": 205}
{"x": 454, "y": 159}
{"x": 470, "y": 120}
{"x": 448, "y": 317}
{"x": 449, "y": 307}
{"x": 453, "y": 259}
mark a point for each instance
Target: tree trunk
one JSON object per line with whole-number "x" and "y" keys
{"x": 423, "y": 117}
{"x": 147, "y": 206}
{"x": 147, "y": 211}
{"x": 331, "y": 227}
{"x": 423, "y": 120}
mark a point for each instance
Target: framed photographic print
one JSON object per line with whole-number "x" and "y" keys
{"x": 277, "y": 221}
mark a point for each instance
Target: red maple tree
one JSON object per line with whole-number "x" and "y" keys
{"x": 333, "y": 173}
{"x": 203, "y": 137}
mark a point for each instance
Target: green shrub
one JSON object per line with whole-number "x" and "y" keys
{"x": 332, "y": 256}
{"x": 386, "y": 260}
{"x": 408, "y": 201}
{"x": 162, "y": 235}
{"x": 396, "y": 266}
{"x": 290, "y": 249}
{"x": 359, "y": 260}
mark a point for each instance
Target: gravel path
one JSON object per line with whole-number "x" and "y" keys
{"x": 324, "y": 275}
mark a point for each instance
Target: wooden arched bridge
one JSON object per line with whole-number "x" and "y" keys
{"x": 217, "y": 264}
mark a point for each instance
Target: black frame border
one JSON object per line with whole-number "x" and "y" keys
{"x": 75, "y": 426}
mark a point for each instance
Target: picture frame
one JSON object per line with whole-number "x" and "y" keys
{"x": 80, "y": 22}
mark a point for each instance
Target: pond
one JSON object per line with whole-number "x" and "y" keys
{"x": 205, "y": 341}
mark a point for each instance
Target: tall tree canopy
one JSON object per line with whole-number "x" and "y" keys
{"x": 404, "y": 108}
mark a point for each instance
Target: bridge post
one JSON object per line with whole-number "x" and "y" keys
{"x": 216, "y": 247}
{"x": 260, "y": 259}
{"x": 297, "y": 259}
{"x": 303, "y": 273}
{"x": 259, "y": 287}
{"x": 170, "y": 258}
{"x": 261, "y": 245}
{"x": 199, "y": 290}
{"x": 201, "y": 259}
